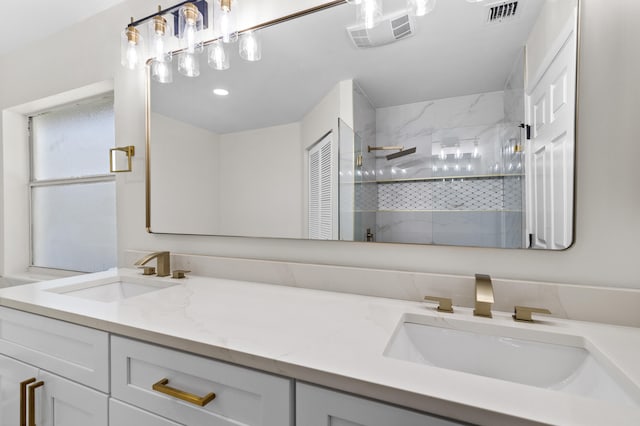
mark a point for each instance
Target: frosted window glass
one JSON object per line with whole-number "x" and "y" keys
{"x": 73, "y": 141}
{"x": 74, "y": 226}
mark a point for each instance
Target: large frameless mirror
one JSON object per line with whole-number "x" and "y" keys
{"x": 456, "y": 127}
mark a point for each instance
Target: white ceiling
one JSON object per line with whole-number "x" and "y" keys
{"x": 454, "y": 52}
{"x": 26, "y": 22}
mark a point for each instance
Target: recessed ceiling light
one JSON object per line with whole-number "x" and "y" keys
{"x": 220, "y": 92}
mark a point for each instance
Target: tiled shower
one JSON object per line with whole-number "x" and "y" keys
{"x": 464, "y": 185}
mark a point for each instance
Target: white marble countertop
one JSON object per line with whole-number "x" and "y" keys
{"x": 338, "y": 340}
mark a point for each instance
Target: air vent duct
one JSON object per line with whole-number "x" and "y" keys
{"x": 499, "y": 12}
{"x": 391, "y": 28}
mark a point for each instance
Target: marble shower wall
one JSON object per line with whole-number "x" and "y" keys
{"x": 459, "y": 136}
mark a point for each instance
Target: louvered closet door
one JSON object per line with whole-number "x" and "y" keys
{"x": 321, "y": 190}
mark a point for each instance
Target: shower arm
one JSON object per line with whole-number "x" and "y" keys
{"x": 384, "y": 148}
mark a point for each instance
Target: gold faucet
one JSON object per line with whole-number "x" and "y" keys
{"x": 162, "y": 262}
{"x": 484, "y": 296}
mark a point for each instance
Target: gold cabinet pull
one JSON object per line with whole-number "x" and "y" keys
{"x": 23, "y": 400}
{"x": 32, "y": 402}
{"x": 523, "y": 313}
{"x": 445, "y": 304}
{"x": 200, "y": 401}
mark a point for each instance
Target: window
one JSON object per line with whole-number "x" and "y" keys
{"x": 73, "y": 210}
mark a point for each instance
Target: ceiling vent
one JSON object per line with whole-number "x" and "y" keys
{"x": 390, "y": 28}
{"x": 499, "y": 12}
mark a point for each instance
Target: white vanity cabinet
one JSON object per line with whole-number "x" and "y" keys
{"x": 183, "y": 381}
{"x": 12, "y": 372}
{"x": 317, "y": 406}
{"x": 51, "y": 352}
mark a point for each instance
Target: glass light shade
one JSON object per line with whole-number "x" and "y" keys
{"x": 225, "y": 20}
{"x": 159, "y": 32}
{"x": 162, "y": 70}
{"x": 188, "y": 64}
{"x": 370, "y": 12}
{"x": 131, "y": 48}
{"x": 250, "y": 46}
{"x": 218, "y": 57}
{"x": 190, "y": 28}
{"x": 421, "y": 7}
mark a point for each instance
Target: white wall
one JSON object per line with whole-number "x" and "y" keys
{"x": 182, "y": 155}
{"x": 605, "y": 252}
{"x": 551, "y": 21}
{"x": 261, "y": 182}
{"x": 322, "y": 119}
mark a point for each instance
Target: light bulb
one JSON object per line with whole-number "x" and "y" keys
{"x": 131, "y": 48}
{"x": 218, "y": 57}
{"x": 161, "y": 70}
{"x": 226, "y": 21}
{"x": 189, "y": 26}
{"x": 188, "y": 65}
{"x": 190, "y": 37}
{"x": 250, "y": 47}
{"x": 158, "y": 30}
{"x": 370, "y": 12}
{"x": 132, "y": 56}
{"x": 421, "y": 7}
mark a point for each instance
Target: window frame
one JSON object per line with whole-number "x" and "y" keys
{"x": 44, "y": 183}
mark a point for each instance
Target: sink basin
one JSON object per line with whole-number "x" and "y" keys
{"x": 548, "y": 360}
{"x": 111, "y": 291}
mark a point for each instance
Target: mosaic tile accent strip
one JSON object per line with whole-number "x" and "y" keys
{"x": 453, "y": 195}
{"x": 366, "y": 197}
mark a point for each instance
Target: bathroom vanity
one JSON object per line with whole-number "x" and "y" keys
{"x": 116, "y": 347}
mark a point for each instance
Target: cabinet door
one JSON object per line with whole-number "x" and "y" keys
{"x": 12, "y": 373}
{"x": 321, "y": 407}
{"x": 61, "y": 402}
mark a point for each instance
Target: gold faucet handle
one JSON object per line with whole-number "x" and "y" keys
{"x": 523, "y": 313}
{"x": 445, "y": 304}
{"x": 148, "y": 270}
{"x": 179, "y": 273}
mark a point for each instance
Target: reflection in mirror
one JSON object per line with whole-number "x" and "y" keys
{"x": 455, "y": 128}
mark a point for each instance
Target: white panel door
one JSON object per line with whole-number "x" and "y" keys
{"x": 321, "y": 407}
{"x": 12, "y": 373}
{"x": 551, "y": 112}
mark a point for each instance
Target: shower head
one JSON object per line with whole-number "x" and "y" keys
{"x": 401, "y": 153}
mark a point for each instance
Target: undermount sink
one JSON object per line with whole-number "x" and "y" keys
{"x": 546, "y": 360}
{"x": 111, "y": 291}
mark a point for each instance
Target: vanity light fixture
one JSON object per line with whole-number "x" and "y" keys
{"x": 250, "y": 46}
{"x": 190, "y": 19}
{"x": 131, "y": 51}
{"x": 420, "y": 7}
{"x": 225, "y": 20}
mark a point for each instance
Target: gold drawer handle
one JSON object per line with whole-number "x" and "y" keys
{"x": 162, "y": 387}
{"x": 32, "y": 402}
{"x": 23, "y": 400}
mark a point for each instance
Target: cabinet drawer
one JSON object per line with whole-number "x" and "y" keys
{"x": 121, "y": 414}
{"x": 242, "y": 396}
{"x": 78, "y": 353}
{"x": 322, "y": 407}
